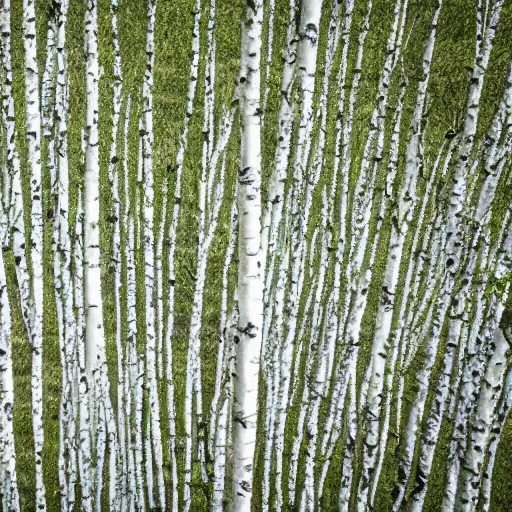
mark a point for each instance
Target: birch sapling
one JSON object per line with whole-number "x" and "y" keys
{"x": 318, "y": 354}
{"x": 497, "y": 430}
{"x": 407, "y": 294}
{"x": 430, "y": 436}
{"x": 268, "y": 56}
{"x": 486, "y": 409}
{"x": 334, "y": 320}
{"x": 9, "y": 495}
{"x": 273, "y": 381}
{"x": 276, "y": 188}
{"x": 348, "y": 387}
{"x": 482, "y": 331}
{"x": 278, "y": 381}
{"x": 251, "y": 266}
{"x": 115, "y": 256}
{"x": 193, "y": 381}
{"x": 132, "y": 363}
{"x": 130, "y": 353}
{"x": 208, "y": 215}
{"x": 192, "y": 85}
{"x": 85, "y": 381}
{"x": 221, "y": 399}
{"x": 343, "y": 156}
{"x": 358, "y": 279}
{"x": 48, "y": 79}
{"x": 15, "y": 224}
{"x": 374, "y": 146}
{"x": 272, "y": 254}
{"x": 431, "y": 245}
{"x": 314, "y": 350}
{"x": 63, "y": 263}
{"x": 149, "y": 252}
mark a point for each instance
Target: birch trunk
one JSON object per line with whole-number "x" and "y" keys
{"x": 9, "y": 495}
{"x": 149, "y": 254}
{"x": 96, "y": 364}
{"x": 115, "y": 256}
{"x": 221, "y": 399}
{"x": 251, "y": 266}
{"x": 63, "y": 265}
{"x": 191, "y": 92}
{"x": 298, "y": 217}
{"x": 16, "y": 226}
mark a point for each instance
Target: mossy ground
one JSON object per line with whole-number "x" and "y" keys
{"x": 447, "y": 96}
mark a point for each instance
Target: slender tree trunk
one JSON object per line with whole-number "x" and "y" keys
{"x": 9, "y": 497}
{"x": 17, "y": 226}
{"x": 251, "y": 265}
{"x": 102, "y": 423}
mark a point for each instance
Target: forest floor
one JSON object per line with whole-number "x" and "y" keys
{"x": 454, "y": 52}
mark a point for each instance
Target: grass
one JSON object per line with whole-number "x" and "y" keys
{"x": 447, "y": 93}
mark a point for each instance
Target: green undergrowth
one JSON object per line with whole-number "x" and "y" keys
{"x": 447, "y": 96}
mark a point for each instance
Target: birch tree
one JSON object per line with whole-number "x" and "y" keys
{"x": 250, "y": 273}
{"x": 8, "y": 477}
{"x": 354, "y": 255}
{"x": 33, "y": 131}
{"x": 101, "y": 418}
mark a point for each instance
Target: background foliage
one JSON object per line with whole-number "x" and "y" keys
{"x": 447, "y": 95}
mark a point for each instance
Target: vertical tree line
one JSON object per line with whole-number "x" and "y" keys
{"x": 286, "y": 288}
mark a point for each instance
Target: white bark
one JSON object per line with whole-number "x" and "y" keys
{"x": 17, "y": 226}
{"x": 451, "y": 248}
{"x": 149, "y": 255}
{"x": 62, "y": 273}
{"x": 319, "y": 355}
{"x": 348, "y": 374}
{"x": 221, "y": 400}
{"x": 8, "y": 478}
{"x": 208, "y": 215}
{"x": 96, "y": 363}
{"x": 276, "y": 188}
{"x": 343, "y": 155}
{"x": 268, "y": 57}
{"x": 85, "y": 382}
{"x": 251, "y": 266}
{"x": 358, "y": 279}
{"x": 396, "y": 336}
{"x": 298, "y": 217}
{"x": 482, "y": 421}
{"x": 341, "y": 140}
{"x": 430, "y": 436}
{"x": 483, "y": 330}
{"x": 115, "y": 256}
{"x": 134, "y": 373}
{"x": 206, "y": 230}
{"x": 33, "y": 132}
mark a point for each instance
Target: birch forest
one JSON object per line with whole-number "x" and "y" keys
{"x": 256, "y": 255}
